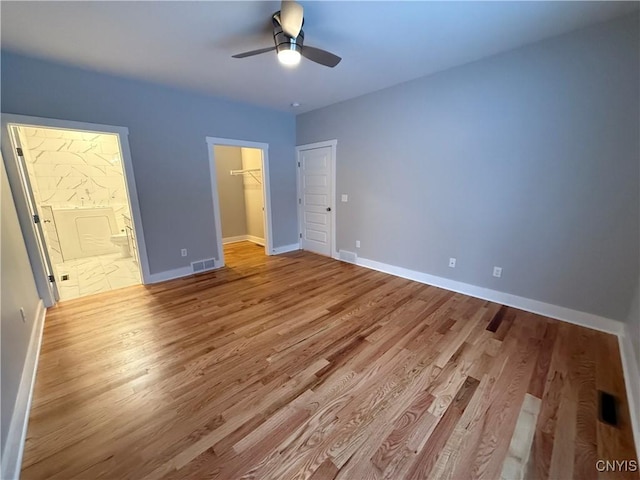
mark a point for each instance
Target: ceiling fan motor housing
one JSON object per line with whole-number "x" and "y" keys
{"x": 284, "y": 41}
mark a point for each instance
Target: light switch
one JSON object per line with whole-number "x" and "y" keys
{"x": 345, "y": 197}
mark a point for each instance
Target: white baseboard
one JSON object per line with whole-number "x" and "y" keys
{"x": 179, "y": 273}
{"x": 170, "y": 274}
{"x": 632, "y": 383}
{"x": 257, "y": 240}
{"x": 243, "y": 238}
{"x": 548, "y": 310}
{"x": 236, "y": 239}
{"x": 17, "y": 434}
{"x": 286, "y": 248}
{"x": 629, "y": 362}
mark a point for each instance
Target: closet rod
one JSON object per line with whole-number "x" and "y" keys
{"x": 246, "y": 170}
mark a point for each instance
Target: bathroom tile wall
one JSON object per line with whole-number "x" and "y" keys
{"x": 75, "y": 169}
{"x": 72, "y": 169}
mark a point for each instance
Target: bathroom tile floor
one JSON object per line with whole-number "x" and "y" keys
{"x": 97, "y": 274}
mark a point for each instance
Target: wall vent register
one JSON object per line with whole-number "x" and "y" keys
{"x": 203, "y": 265}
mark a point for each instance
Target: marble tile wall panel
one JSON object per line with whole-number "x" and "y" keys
{"x": 71, "y": 169}
{"x": 76, "y": 169}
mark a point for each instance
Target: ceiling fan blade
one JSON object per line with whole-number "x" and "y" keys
{"x": 320, "y": 56}
{"x": 291, "y": 17}
{"x": 253, "y": 52}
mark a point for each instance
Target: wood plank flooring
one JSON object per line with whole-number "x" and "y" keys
{"x": 302, "y": 367}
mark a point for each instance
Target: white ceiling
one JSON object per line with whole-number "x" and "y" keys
{"x": 189, "y": 44}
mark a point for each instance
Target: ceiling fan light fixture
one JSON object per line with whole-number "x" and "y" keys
{"x": 289, "y": 41}
{"x": 289, "y": 57}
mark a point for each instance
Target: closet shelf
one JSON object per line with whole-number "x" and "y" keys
{"x": 247, "y": 171}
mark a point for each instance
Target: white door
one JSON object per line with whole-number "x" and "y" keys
{"x": 33, "y": 211}
{"x": 315, "y": 199}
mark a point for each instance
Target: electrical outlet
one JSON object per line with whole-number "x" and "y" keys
{"x": 452, "y": 262}
{"x": 183, "y": 252}
{"x": 23, "y": 315}
{"x": 357, "y": 243}
{"x": 497, "y": 272}
{"x": 345, "y": 197}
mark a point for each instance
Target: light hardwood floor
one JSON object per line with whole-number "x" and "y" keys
{"x": 299, "y": 366}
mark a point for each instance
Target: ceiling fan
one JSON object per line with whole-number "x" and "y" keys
{"x": 288, "y": 37}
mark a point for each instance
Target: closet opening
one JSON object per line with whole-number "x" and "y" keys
{"x": 241, "y": 198}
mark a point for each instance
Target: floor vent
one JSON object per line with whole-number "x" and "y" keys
{"x": 608, "y": 408}
{"x": 346, "y": 256}
{"x": 203, "y": 265}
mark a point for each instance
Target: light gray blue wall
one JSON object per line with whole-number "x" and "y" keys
{"x": 528, "y": 160}
{"x": 633, "y": 322}
{"x": 233, "y": 215}
{"x": 167, "y": 130}
{"x": 17, "y": 290}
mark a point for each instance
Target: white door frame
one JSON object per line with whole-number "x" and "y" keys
{"x": 332, "y": 203}
{"x": 52, "y": 294}
{"x": 21, "y": 206}
{"x": 266, "y": 190}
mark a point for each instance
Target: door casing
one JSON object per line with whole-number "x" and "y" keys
{"x": 20, "y": 196}
{"x": 266, "y": 190}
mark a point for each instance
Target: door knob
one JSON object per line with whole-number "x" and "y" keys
{"x": 328, "y": 209}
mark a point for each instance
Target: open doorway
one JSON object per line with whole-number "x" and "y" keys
{"x": 240, "y": 184}
{"x": 239, "y": 174}
{"x": 76, "y": 189}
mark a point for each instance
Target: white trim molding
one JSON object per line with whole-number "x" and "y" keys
{"x": 631, "y": 372}
{"x": 17, "y": 434}
{"x": 632, "y": 382}
{"x": 266, "y": 190}
{"x": 548, "y": 310}
{"x": 256, "y": 240}
{"x": 181, "y": 272}
{"x": 333, "y": 204}
{"x": 236, "y": 239}
{"x": 170, "y": 274}
{"x": 286, "y": 248}
{"x": 244, "y": 238}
